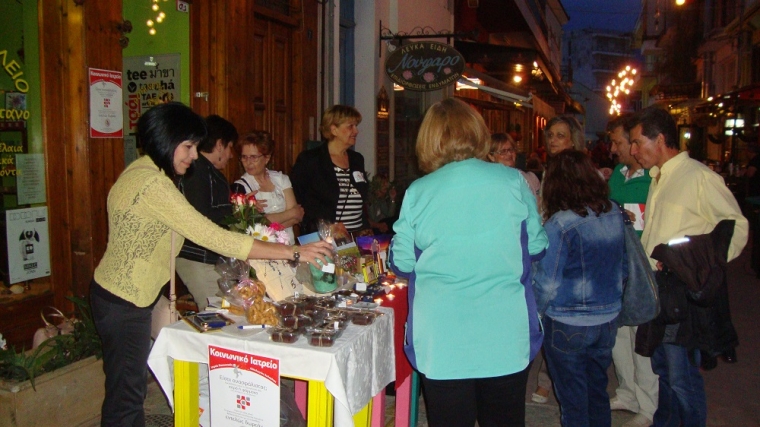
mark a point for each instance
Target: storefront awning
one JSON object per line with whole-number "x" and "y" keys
{"x": 501, "y": 94}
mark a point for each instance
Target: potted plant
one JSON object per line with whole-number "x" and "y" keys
{"x": 60, "y": 383}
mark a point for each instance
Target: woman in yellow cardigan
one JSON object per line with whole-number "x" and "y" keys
{"x": 144, "y": 207}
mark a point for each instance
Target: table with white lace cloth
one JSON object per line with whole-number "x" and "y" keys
{"x": 357, "y": 367}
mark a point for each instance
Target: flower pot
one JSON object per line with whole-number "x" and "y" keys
{"x": 68, "y": 396}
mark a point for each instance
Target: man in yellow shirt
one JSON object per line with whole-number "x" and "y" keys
{"x": 685, "y": 198}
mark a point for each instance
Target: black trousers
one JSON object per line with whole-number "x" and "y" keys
{"x": 493, "y": 402}
{"x": 124, "y": 330}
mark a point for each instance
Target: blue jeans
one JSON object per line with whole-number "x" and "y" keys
{"x": 578, "y": 358}
{"x": 682, "y": 400}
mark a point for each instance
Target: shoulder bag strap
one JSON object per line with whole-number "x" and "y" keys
{"x": 172, "y": 280}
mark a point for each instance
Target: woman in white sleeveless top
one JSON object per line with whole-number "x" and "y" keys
{"x": 271, "y": 187}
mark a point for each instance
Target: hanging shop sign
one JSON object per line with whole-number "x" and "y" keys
{"x": 149, "y": 80}
{"x": 425, "y": 66}
{"x": 106, "y": 116}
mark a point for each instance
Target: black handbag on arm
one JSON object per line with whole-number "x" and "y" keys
{"x": 641, "y": 301}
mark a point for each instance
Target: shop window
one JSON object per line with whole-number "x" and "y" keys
{"x": 24, "y": 243}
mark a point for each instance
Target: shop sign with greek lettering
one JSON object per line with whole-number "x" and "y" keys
{"x": 425, "y": 66}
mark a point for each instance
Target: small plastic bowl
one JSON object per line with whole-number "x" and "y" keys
{"x": 363, "y": 318}
{"x": 283, "y": 335}
{"x": 323, "y": 337}
{"x": 299, "y": 321}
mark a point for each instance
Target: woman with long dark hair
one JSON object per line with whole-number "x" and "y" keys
{"x": 579, "y": 285}
{"x": 144, "y": 207}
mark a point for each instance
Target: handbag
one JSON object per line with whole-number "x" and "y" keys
{"x": 641, "y": 301}
{"x": 165, "y": 311}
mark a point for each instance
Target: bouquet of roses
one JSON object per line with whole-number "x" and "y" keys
{"x": 247, "y": 218}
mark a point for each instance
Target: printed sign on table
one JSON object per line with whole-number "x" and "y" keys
{"x": 106, "y": 116}
{"x": 28, "y": 244}
{"x": 244, "y": 388}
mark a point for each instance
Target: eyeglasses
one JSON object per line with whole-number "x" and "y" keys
{"x": 252, "y": 157}
{"x": 504, "y": 152}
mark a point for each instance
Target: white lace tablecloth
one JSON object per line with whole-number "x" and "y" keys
{"x": 356, "y": 368}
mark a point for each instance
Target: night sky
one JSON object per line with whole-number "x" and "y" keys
{"x": 618, "y": 15}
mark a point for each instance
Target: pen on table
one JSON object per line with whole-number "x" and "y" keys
{"x": 252, "y": 326}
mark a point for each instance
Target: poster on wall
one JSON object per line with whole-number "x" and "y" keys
{"x": 106, "y": 115}
{"x": 28, "y": 243}
{"x": 30, "y": 178}
{"x": 149, "y": 80}
{"x": 244, "y": 388}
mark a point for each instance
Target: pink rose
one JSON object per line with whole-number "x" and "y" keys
{"x": 250, "y": 200}
{"x": 276, "y": 226}
{"x": 428, "y": 77}
{"x": 407, "y": 75}
{"x": 237, "y": 199}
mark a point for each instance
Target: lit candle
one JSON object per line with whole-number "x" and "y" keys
{"x": 390, "y": 297}
{"x": 378, "y": 301}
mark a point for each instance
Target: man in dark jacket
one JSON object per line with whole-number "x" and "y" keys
{"x": 207, "y": 189}
{"x": 685, "y": 198}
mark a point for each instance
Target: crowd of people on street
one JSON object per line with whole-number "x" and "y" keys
{"x": 507, "y": 268}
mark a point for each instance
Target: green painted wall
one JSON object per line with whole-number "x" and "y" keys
{"x": 172, "y": 36}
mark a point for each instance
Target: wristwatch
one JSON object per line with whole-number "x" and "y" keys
{"x": 296, "y": 255}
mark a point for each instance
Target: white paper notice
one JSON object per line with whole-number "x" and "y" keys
{"x": 28, "y": 243}
{"x": 638, "y": 212}
{"x": 106, "y": 114}
{"x": 244, "y": 389}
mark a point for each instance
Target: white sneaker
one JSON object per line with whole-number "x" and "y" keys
{"x": 617, "y": 405}
{"x": 638, "y": 421}
{"x": 538, "y": 398}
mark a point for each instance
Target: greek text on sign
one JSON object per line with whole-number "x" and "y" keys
{"x": 425, "y": 66}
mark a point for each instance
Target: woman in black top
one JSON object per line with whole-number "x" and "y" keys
{"x": 329, "y": 181}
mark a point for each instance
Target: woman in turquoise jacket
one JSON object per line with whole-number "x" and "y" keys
{"x": 465, "y": 238}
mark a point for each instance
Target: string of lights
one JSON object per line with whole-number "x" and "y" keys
{"x": 620, "y": 87}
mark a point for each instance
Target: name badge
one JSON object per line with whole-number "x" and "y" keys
{"x": 359, "y": 176}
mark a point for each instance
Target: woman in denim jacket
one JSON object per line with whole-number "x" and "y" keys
{"x": 579, "y": 285}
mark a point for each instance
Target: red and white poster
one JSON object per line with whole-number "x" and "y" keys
{"x": 106, "y": 113}
{"x": 244, "y": 389}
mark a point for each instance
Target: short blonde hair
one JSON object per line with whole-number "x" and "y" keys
{"x": 451, "y": 131}
{"x": 337, "y": 115}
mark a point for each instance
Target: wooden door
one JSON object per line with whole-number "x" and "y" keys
{"x": 272, "y": 86}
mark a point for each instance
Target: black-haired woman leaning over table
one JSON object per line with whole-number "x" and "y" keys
{"x": 144, "y": 207}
